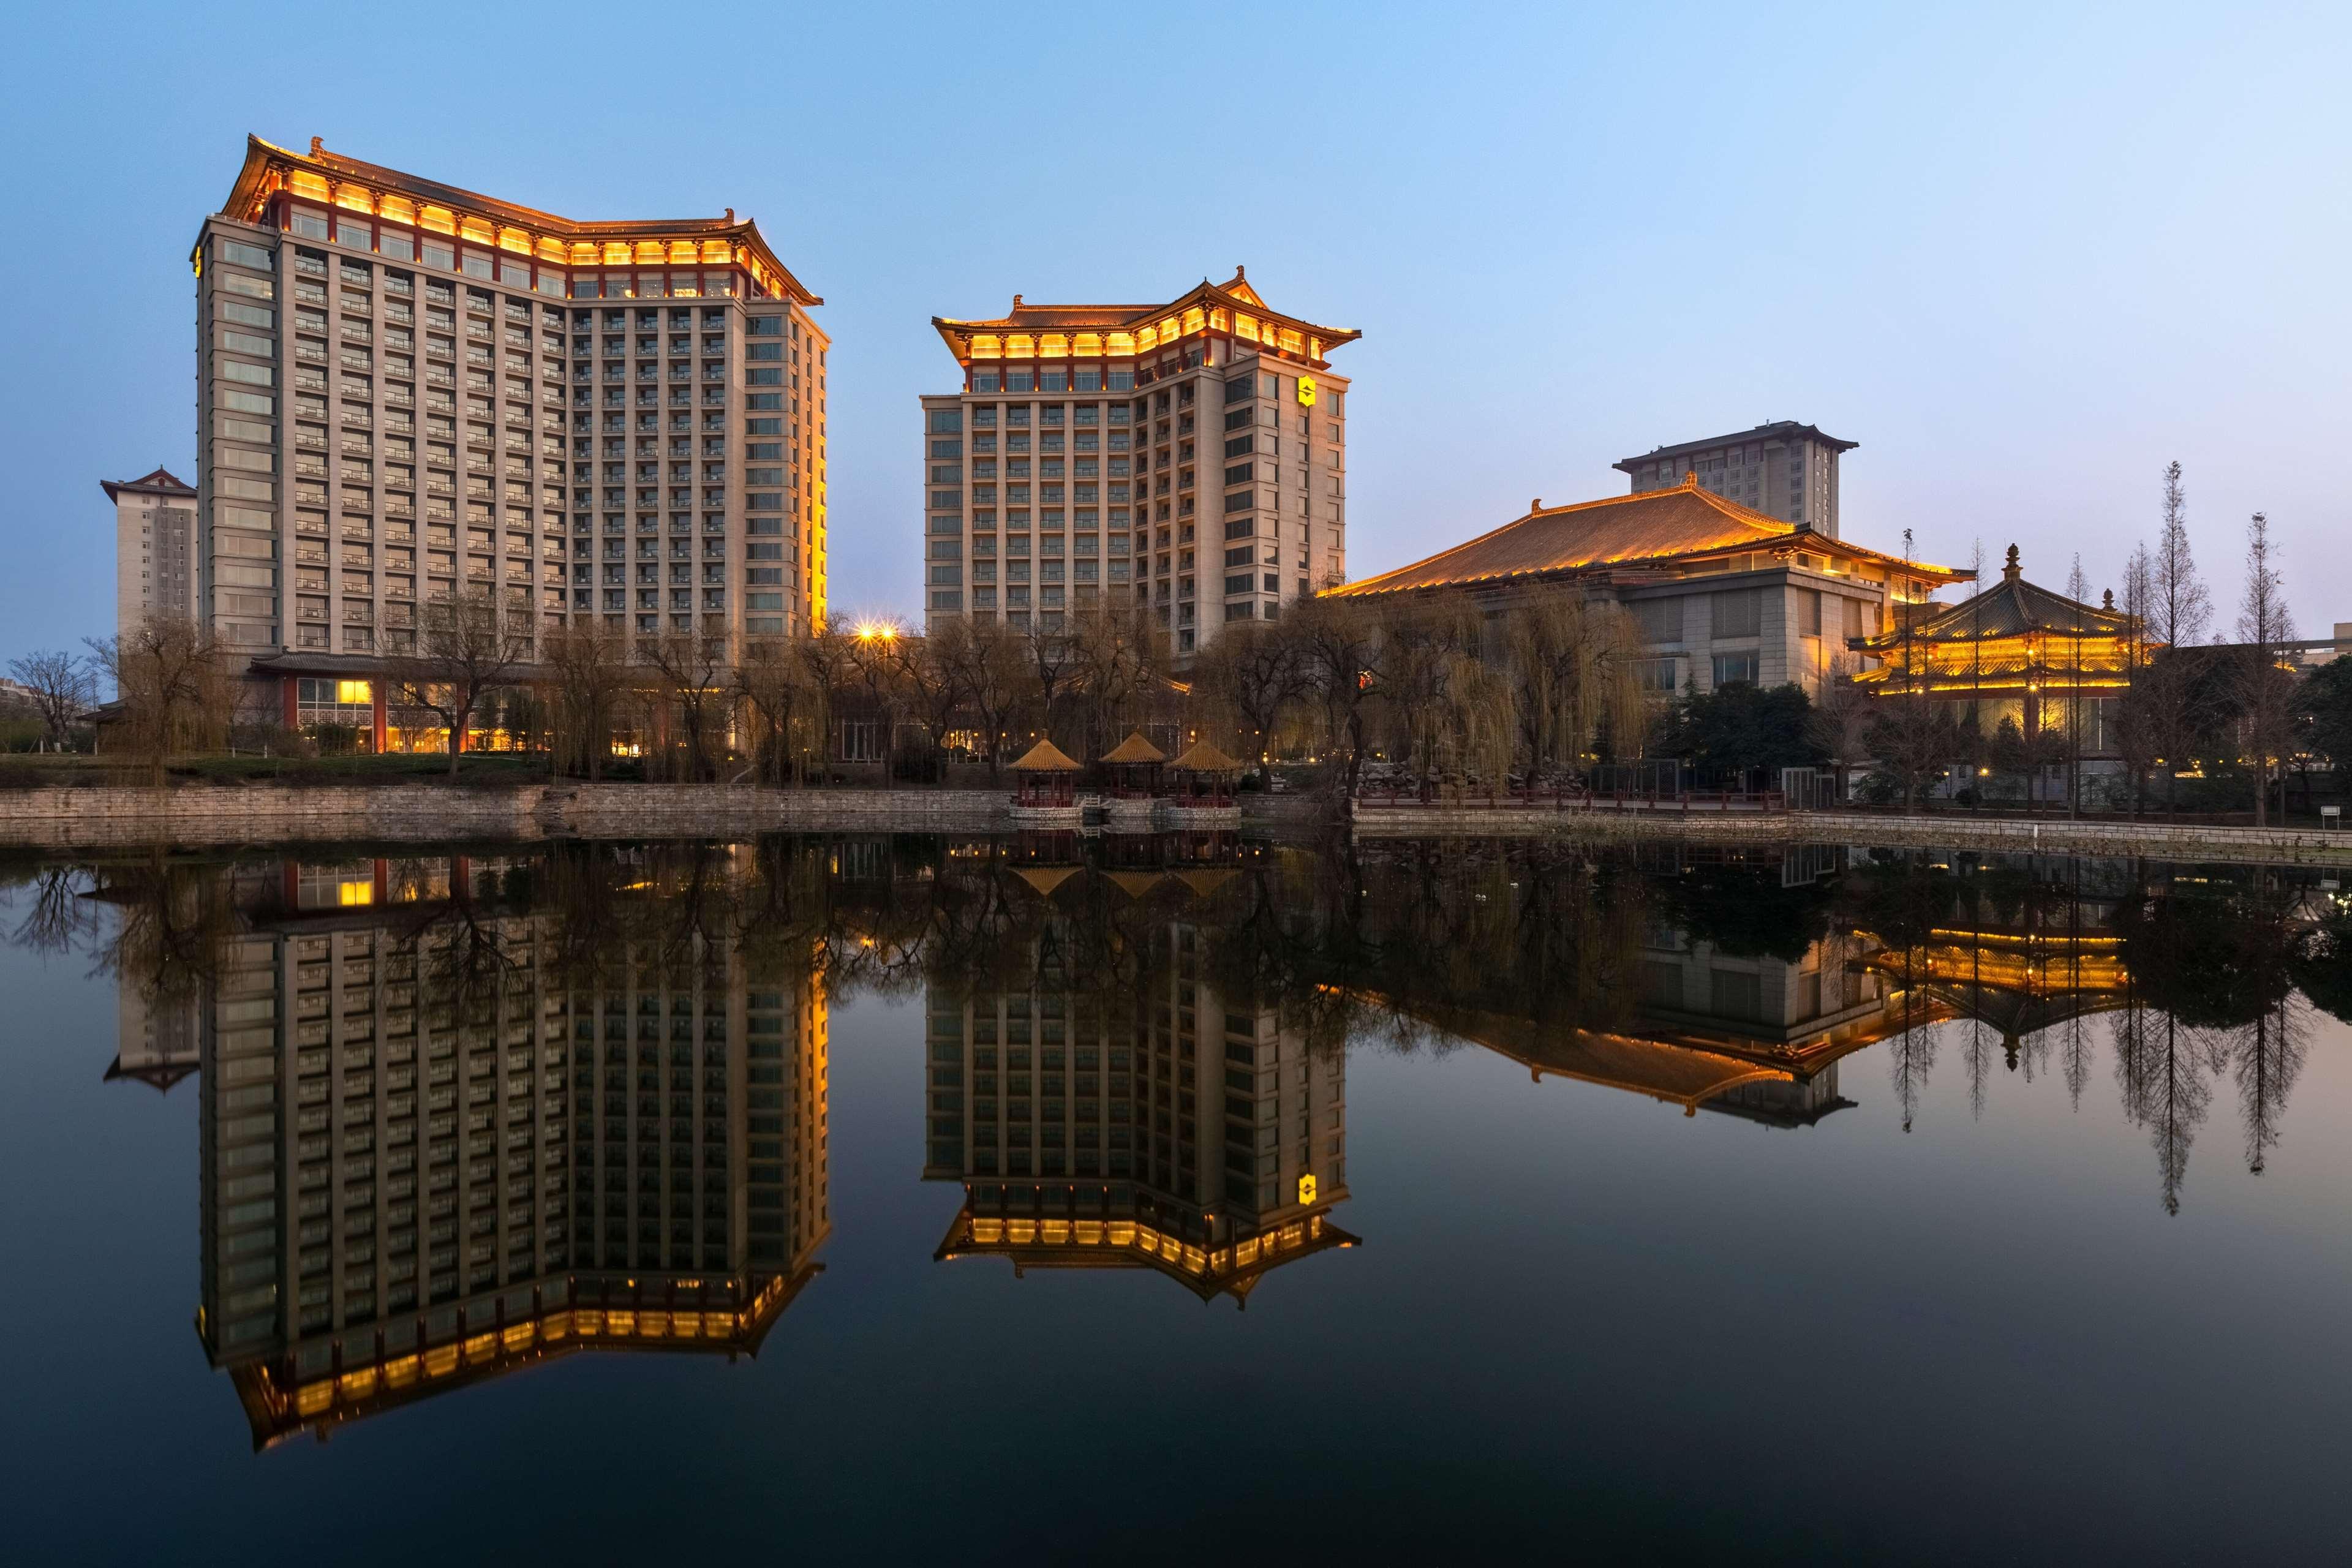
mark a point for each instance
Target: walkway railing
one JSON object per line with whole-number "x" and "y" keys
{"x": 1568, "y": 798}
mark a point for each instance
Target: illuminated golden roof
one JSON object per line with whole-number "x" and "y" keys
{"x": 1122, "y": 330}
{"x": 335, "y": 180}
{"x": 2011, "y": 607}
{"x": 1683, "y": 524}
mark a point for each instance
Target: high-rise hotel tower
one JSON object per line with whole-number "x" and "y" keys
{"x": 1190, "y": 457}
{"x": 406, "y": 389}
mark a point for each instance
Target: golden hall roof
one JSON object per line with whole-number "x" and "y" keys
{"x": 1135, "y": 749}
{"x": 1233, "y": 296}
{"x": 1045, "y": 757}
{"x": 1652, "y": 528}
{"x": 270, "y": 168}
{"x": 2011, "y": 607}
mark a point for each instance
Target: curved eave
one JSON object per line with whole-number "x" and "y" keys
{"x": 252, "y": 186}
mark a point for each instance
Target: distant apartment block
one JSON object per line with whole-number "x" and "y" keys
{"x": 154, "y": 547}
{"x": 407, "y": 390}
{"x": 1785, "y": 470}
{"x": 1190, "y": 457}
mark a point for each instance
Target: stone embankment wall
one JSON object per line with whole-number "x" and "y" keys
{"x": 262, "y": 813}
{"x": 194, "y": 816}
{"x": 2155, "y": 840}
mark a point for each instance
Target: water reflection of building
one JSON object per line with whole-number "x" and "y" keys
{"x": 1175, "y": 1129}
{"x": 156, "y": 1041}
{"x": 428, "y": 1158}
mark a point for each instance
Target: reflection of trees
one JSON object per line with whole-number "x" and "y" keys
{"x": 175, "y": 923}
{"x": 56, "y": 919}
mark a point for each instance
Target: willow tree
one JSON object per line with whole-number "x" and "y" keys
{"x": 174, "y": 681}
{"x": 1448, "y": 708}
{"x": 1572, "y": 663}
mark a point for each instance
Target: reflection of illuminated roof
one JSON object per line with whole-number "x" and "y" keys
{"x": 1135, "y": 884}
{"x": 1231, "y": 1269}
{"x": 1046, "y": 878}
{"x": 2019, "y": 981}
{"x": 278, "y": 1409}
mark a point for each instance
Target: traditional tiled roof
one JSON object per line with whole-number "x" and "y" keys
{"x": 1200, "y": 757}
{"x": 162, "y": 482}
{"x": 1234, "y": 293}
{"x": 2011, "y": 607}
{"x": 1044, "y": 757}
{"x": 267, "y": 167}
{"x": 1135, "y": 749}
{"x": 1650, "y": 528}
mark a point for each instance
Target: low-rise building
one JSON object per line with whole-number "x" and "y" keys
{"x": 1721, "y": 592}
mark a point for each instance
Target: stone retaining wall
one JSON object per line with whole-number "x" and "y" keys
{"x": 199, "y": 814}
{"x": 2155, "y": 840}
{"x": 196, "y": 814}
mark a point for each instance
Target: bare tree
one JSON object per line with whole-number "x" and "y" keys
{"x": 1338, "y": 643}
{"x": 774, "y": 685}
{"x": 468, "y": 647}
{"x": 1114, "y": 655}
{"x": 2264, "y": 687}
{"x": 994, "y": 669}
{"x": 2180, "y": 608}
{"x": 874, "y": 672}
{"x": 172, "y": 680}
{"x": 61, "y": 687}
{"x": 591, "y": 674}
{"x": 1253, "y": 671}
{"x": 2138, "y": 725}
{"x": 825, "y": 657}
{"x": 930, "y": 678}
{"x": 693, "y": 686}
{"x": 1840, "y": 721}
{"x": 1053, "y": 657}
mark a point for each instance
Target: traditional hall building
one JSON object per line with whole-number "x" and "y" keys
{"x": 408, "y": 390}
{"x": 2015, "y": 653}
{"x": 1190, "y": 457}
{"x": 1722, "y": 593}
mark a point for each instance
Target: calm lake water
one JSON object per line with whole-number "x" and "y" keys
{"x": 1060, "y": 1200}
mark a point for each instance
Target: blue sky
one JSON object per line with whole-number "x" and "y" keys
{"x": 2025, "y": 255}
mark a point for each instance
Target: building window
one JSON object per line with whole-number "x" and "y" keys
{"x": 1738, "y": 614}
{"x": 338, "y": 714}
{"x": 1730, "y": 668}
{"x": 1656, "y": 676}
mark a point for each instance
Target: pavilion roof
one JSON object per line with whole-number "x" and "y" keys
{"x": 1045, "y": 757}
{"x": 1135, "y": 749}
{"x": 162, "y": 482}
{"x": 1046, "y": 878}
{"x": 2011, "y": 607}
{"x": 1201, "y": 757}
{"x": 1652, "y": 528}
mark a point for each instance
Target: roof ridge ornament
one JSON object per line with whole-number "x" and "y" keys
{"x": 2010, "y": 572}
{"x": 1690, "y": 478}
{"x": 318, "y": 146}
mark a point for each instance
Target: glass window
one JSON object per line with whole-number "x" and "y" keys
{"x": 1730, "y": 668}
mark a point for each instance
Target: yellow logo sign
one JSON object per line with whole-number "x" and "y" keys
{"x": 1306, "y": 392}
{"x": 1306, "y": 1189}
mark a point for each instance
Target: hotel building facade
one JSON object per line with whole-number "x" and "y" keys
{"x": 1784, "y": 469}
{"x": 1187, "y": 458}
{"x": 408, "y": 390}
{"x": 154, "y": 548}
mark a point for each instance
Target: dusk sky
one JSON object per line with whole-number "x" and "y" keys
{"x": 2023, "y": 255}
